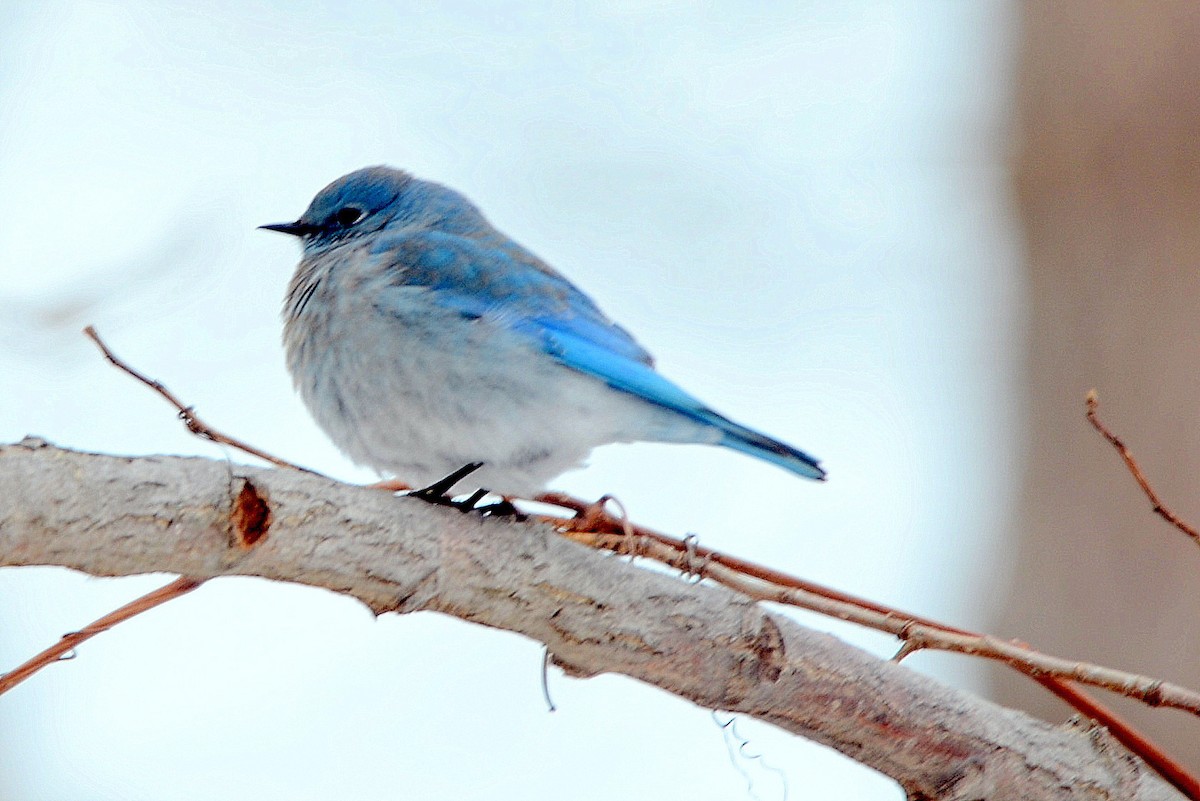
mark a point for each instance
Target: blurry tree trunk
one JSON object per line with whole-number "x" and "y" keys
{"x": 1108, "y": 179}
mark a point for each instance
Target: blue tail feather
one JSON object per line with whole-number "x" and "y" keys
{"x": 640, "y": 379}
{"x": 752, "y": 443}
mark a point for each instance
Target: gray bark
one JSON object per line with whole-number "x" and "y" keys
{"x": 110, "y": 516}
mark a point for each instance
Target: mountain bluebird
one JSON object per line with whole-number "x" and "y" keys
{"x": 422, "y": 340}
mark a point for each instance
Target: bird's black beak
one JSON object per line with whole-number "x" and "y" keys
{"x": 296, "y": 228}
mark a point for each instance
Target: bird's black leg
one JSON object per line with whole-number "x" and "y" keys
{"x": 468, "y": 504}
{"x": 436, "y": 492}
{"x": 501, "y": 508}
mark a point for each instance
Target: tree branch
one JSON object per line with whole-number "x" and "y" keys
{"x": 68, "y": 642}
{"x": 598, "y": 530}
{"x": 1092, "y": 402}
{"x": 109, "y": 515}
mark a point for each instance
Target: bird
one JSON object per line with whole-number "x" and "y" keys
{"x": 430, "y": 346}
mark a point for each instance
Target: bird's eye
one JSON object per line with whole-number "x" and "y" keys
{"x": 349, "y": 215}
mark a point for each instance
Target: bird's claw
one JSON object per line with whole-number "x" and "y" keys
{"x": 502, "y": 508}
{"x": 438, "y": 493}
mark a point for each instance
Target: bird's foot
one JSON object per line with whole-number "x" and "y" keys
{"x": 502, "y": 508}
{"x": 436, "y": 492}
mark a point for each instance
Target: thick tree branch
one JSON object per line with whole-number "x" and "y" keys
{"x": 109, "y": 515}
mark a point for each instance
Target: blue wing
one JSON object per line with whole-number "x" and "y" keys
{"x": 494, "y": 276}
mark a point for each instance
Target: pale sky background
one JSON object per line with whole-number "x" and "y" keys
{"x": 800, "y": 208}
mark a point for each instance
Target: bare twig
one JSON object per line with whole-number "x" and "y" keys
{"x": 186, "y": 413}
{"x": 68, "y": 642}
{"x": 1093, "y": 403}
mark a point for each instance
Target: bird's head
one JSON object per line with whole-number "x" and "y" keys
{"x": 366, "y": 200}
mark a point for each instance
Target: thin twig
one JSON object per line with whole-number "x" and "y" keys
{"x": 68, "y": 642}
{"x": 186, "y": 413}
{"x": 1093, "y": 403}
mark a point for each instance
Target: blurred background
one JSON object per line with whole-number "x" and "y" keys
{"x": 905, "y": 236}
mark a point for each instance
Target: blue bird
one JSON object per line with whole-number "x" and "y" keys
{"x": 423, "y": 340}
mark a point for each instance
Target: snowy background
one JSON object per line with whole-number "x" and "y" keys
{"x": 799, "y": 208}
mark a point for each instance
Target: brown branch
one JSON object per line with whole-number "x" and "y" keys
{"x": 594, "y": 527}
{"x": 917, "y": 632}
{"x": 68, "y": 642}
{"x": 186, "y": 413}
{"x": 1159, "y": 508}
{"x": 119, "y": 516}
